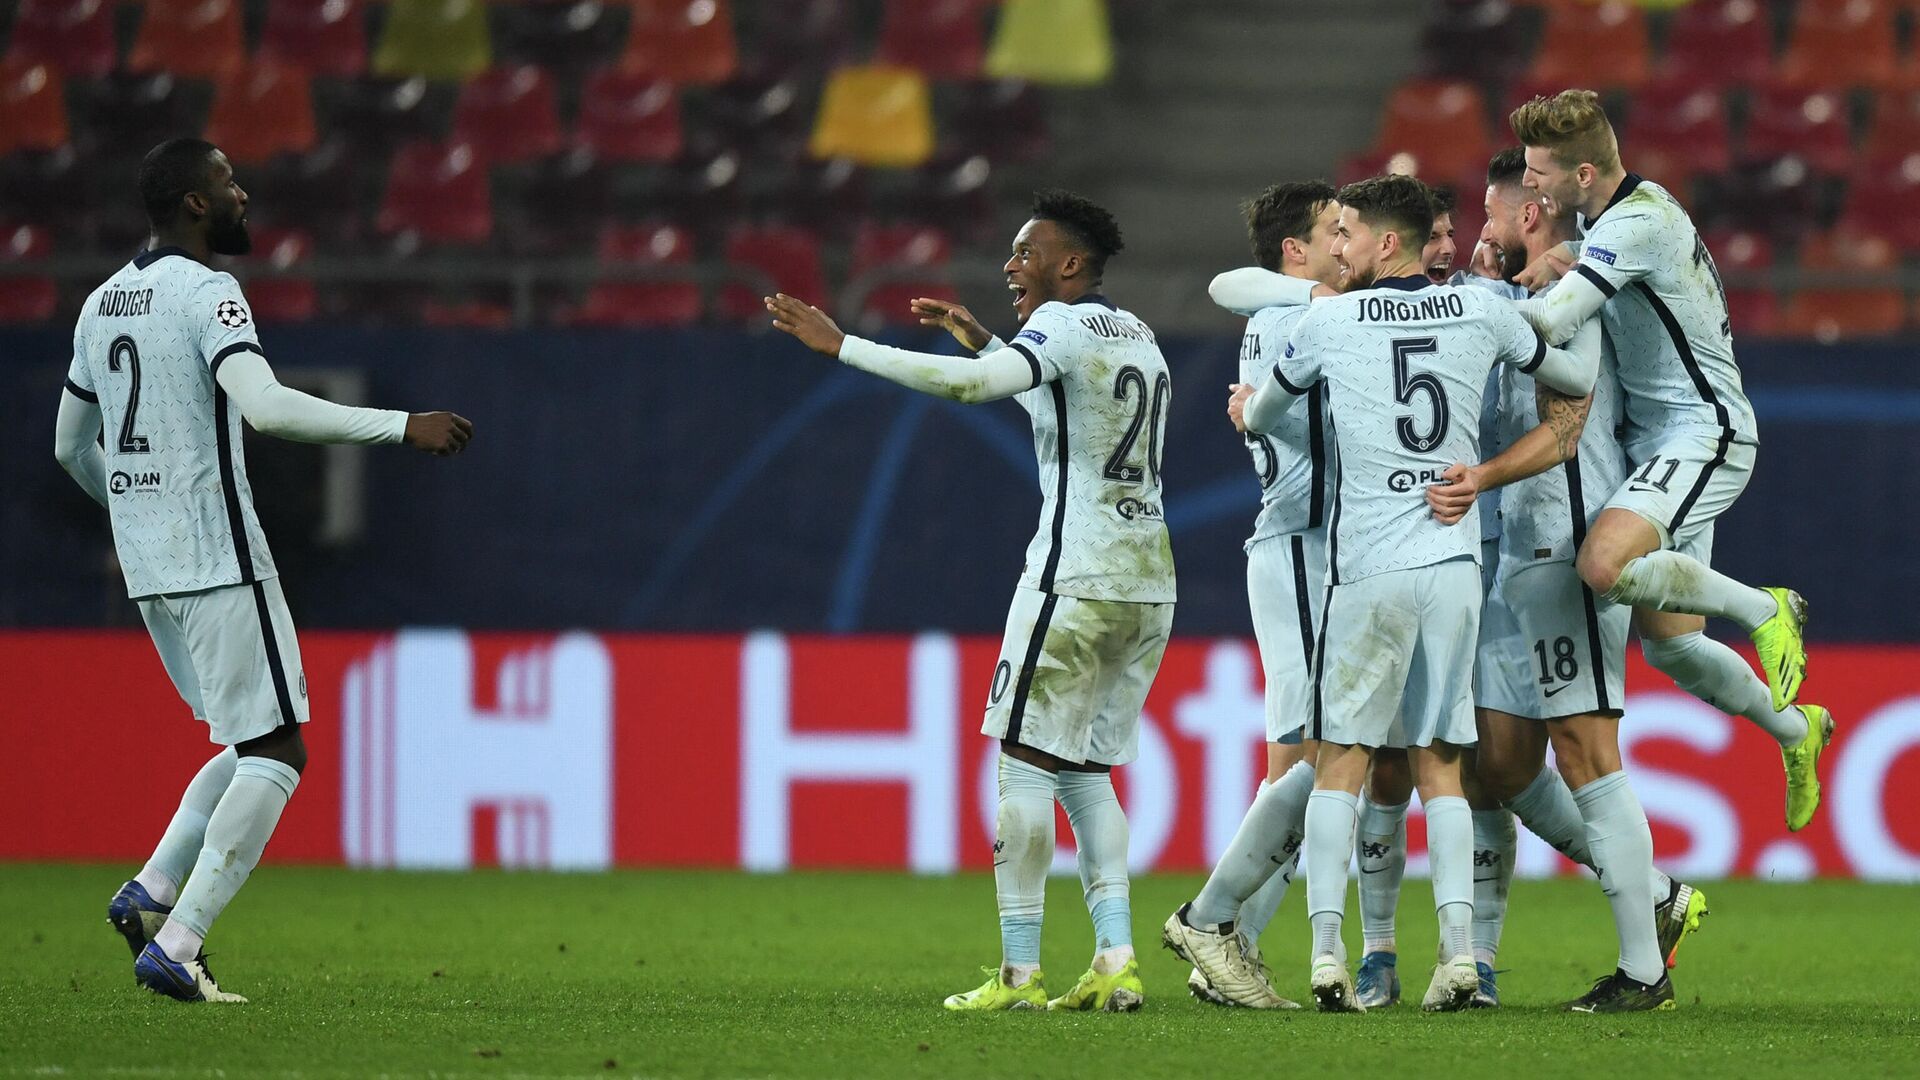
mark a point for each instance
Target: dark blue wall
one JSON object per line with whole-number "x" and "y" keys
{"x": 716, "y": 481}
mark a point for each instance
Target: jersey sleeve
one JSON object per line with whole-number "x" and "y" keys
{"x": 225, "y": 321}
{"x": 1515, "y": 341}
{"x": 1299, "y": 365}
{"x": 79, "y": 379}
{"x": 1622, "y": 248}
{"x": 1047, "y": 341}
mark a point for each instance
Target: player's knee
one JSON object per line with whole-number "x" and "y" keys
{"x": 1598, "y": 567}
{"x": 1665, "y": 654}
{"x": 1501, "y": 776}
{"x": 283, "y": 744}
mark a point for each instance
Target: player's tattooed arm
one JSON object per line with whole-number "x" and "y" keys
{"x": 1565, "y": 416}
{"x": 1556, "y": 439}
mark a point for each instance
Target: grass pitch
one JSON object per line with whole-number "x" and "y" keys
{"x": 837, "y": 975}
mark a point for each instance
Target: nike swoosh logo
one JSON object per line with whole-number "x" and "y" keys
{"x": 1375, "y": 870}
{"x": 1557, "y": 689}
{"x": 1637, "y": 487}
{"x": 1484, "y": 880}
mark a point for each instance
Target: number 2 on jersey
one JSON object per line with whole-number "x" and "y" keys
{"x": 1132, "y": 383}
{"x": 1406, "y": 384}
{"x": 123, "y": 354}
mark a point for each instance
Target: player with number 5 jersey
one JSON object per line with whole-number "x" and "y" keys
{"x": 166, "y": 363}
{"x": 1094, "y": 606}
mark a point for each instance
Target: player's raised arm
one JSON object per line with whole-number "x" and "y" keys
{"x": 1252, "y": 288}
{"x": 286, "y": 413}
{"x": 1001, "y": 373}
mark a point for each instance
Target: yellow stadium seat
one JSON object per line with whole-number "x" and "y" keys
{"x": 875, "y": 115}
{"x": 434, "y": 39}
{"x": 1065, "y": 42}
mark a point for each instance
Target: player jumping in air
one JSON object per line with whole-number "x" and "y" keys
{"x": 1690, "y": 434}
{"x": 166, "y": 363}
{"x": 1093, "y": 610}
{"x": 1552, "y": 655}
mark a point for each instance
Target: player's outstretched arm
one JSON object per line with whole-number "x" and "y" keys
{"x": 1556, "y": 439}
{"x": 968, "y": 380}
{"x": 285, "y": 413}
{"x": 1252, "y": 288}
{"x": 74, "y": 431}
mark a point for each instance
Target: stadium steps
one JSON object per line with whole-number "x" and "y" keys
{"x": 1213, "y": 112}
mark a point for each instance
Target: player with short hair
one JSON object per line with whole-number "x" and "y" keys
{"x": 1381, "y": 836}
{"x": 1093, "y": 610}
{"x": 1382, "y": 843}
{"x": 1291, "y": 227}
{"x": 1551, "y": 662}
{"x": 166, "y": 363}
{"x": 1691, "y": 435}
{"x": 1399, "y": 360}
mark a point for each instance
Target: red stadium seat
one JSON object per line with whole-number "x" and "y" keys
{"x": 626, "y": 116}
{"x": 1004, "y": 119}
{"x": 1472, "y": 39}
{"x": 1753, "y": 311}
{"x": 1593, "y": 45}
{"x": 1738, "y": 251}
{"x": 25, "y": 298}
{"x": 437, "y": 193}
{"x": 1441, "y": 124}
{"x": 1810, "y": 125}
{"x": 643, "y": 303}
{"x": 1880, "y": 201}
{"x": 1840, "y": 314}
{"x": 1720, "y": 43}
{"x": 916, "y": 249}
{"x": 683, "y": 41}
{"x": 281, "y": 299}
{"x": 1840, "y": 43}
{"x": 1895, "y": 131}
{"x": 325, "y": 37}
{"x": 191, "y": 39}
{"x": 1675, "y": 130}
{"x": 260, "y": 111}
{"x": 508, "y": 115}
{"x": 787, "y": 254}
{"x": 1830, "y": 310}
{"x": 942, "y": 38}
{"x": 32, "y": 114}
{"x": 74, "y": 37}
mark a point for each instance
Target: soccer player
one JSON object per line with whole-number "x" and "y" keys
{"x": 1383, "y": 816}
{"x": 166, "y": 363}
{"x": 1381, "y": 838}
{"x": 1291, "y": 229}
{"x": 1691, "y": 436}
{"x": 1399, "y": 359}
{"x": 1092, "y": 612}
{"x": 1551, "y": 651}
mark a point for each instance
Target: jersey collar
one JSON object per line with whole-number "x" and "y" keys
{"x": 149, "y": 257}
{"x": 1408, "y": 282}
{"x": 1627, "y": 185}
{"x": 1096, "y": 298}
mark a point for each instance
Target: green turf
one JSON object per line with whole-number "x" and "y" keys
{"x": 832, "y": 975}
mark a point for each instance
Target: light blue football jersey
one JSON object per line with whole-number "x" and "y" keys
{"x": 1404, "y": 368}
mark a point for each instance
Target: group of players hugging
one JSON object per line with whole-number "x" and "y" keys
{"x": 1472, "y": 484}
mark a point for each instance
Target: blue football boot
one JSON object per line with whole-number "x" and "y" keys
{"x": 189, "y": 981}
{"x": 1378, "y": 984}
{"x": 136, "y": 915}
